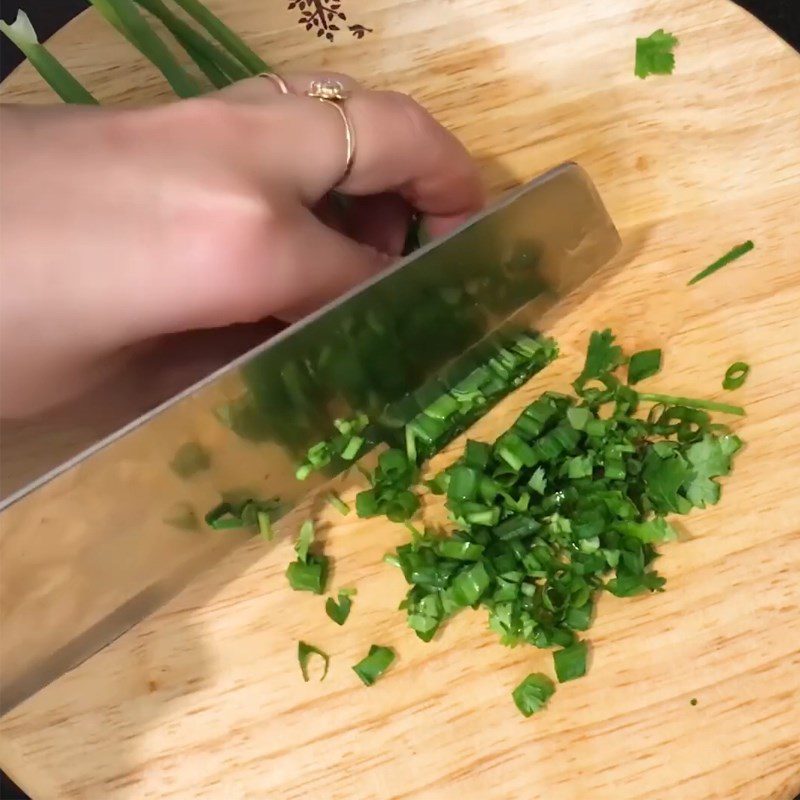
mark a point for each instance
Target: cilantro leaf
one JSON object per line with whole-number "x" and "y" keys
{"x": 602, "y": 357}
{"x": 654, "y": 54}
{"x": 710, "y": 458}
{"x": 533, "y": 693}
{"x": 643, "y": 364}
{"x": 663, "y": 478}
{"x": 650, "y": 532}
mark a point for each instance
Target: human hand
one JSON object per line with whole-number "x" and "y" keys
{"x": 121, "y": 225}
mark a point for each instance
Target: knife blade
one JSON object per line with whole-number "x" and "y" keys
{"x": 91, "y": 548}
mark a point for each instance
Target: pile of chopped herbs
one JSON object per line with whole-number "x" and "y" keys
{"x": 570, "y": 502}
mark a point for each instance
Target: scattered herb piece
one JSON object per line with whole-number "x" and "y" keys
{"x": 654, "y": 54}
{"x": 304, "y": 653}
{"x": 693, "y": 701}
{"x": 643, "y": 364}
{"x": 570, "y": 663}
{"x": 690, "y": 402}
{"x": 339, "y": 612}
{"x": 189, "y": 459}
{"x": 309, "y": 573}
{"x": 735, "y": 375}
{"x": 338, "y": 503}
{"x": 372, "y": 666}
{"x": 533, "y": 693}
{"x": 731, "y": 255}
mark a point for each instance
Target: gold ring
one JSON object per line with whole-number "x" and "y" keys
{"x": 276, "y": 79}
{"x": 333, "y": 93}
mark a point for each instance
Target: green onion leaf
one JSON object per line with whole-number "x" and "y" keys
{"x": 304, "y": 540}
{"x": 304, "y": 653}
{"x": 532, "y": 693}
{"x": 689, "y": 402}
{"x": 124, "y": 16}
{"x": 224, "y": 35}
{"x": 217, "y": 65}
{"x": 735, "y": 375}
{"x": 372, "y": 666}
{"x": 731, "y": 255}
{"x": 60, "y": 80}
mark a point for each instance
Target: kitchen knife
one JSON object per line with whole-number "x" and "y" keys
{"x": 94, "y": 546}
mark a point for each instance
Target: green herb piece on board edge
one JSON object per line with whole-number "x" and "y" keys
{"x": 654, "y": 54}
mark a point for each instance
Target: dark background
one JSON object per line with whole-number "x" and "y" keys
{"x": 47, "y": 16}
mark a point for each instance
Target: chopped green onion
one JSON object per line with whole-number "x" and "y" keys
{"x": 532, "y": 693}
{"x": 339, "y": 612}
{"x": 570, "y": 663}
{"x": 310, "y": 576}
{"x": 643, "y": 364}
{"x": 351, "y": 449}
{"x": 731, "y": 255}
{"x": 304, "y": 653}
{"x": 223, "y": 517}
{"x": 735, "y": 375}
{"x": 338, "y": 503}
{"x": 372, "y": 666}
{"x": 304, "y": 540}
{"x": 265, "y": 525}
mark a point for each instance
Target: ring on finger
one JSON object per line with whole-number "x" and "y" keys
{"x": 276, "y": 79}
{"x": 332, "y": 92}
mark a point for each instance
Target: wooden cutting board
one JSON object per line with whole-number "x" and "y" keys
{"x": 205, "y": 700}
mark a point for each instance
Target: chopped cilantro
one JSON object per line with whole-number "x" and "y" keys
{"x": 654, "y": 54}
{"x": 533, "y": 693}
{"x": 643, "y": 364}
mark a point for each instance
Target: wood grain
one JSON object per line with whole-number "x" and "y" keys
{"x": 204, "y": 699}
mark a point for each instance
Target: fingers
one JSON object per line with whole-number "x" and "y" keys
{"x": 399, "y": 148}
{"x": 308, "y": 265}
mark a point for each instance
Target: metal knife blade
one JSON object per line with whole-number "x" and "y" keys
{"x": 94, "y": 546}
